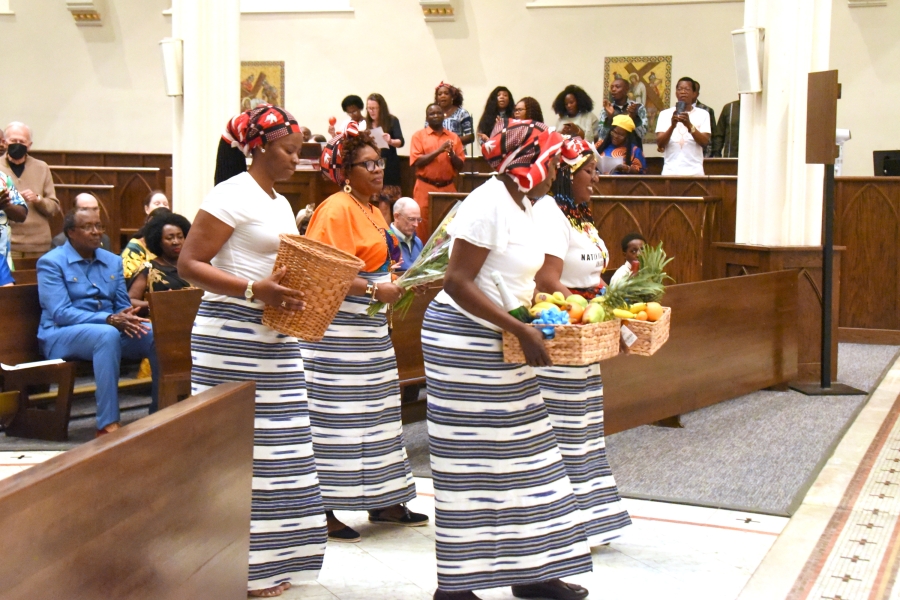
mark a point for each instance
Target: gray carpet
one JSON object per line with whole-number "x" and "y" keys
{"x": 758, "y": 452}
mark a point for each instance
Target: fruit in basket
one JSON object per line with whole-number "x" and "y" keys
{"x": 536, "y": 310}
{"x": 641, "y": 316}
{"x": 576, "y": 299}
{"x": 575, "y": 311}
{"x": 555, "y": 298}
{"x": 622, "y": 313}
{"x": 637, "y": 307}
{"x": 654, "y": 311}
{"x": 594, "y": 313}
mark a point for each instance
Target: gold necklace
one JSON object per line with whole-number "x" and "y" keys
{"x": 387, "y": 250}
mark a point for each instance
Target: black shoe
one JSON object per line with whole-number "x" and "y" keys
{"x": 408, "y": 519}
{"x": 346, "y": 534}
{"x": 440, "y": 594}
{"x": 555, "y": 589}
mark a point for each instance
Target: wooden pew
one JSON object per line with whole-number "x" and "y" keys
{"x": 120, "y": 517}
{"x": 406, "y": 337}
{"x": 304, "y": 187}
{"x": 172, "y": 314}
{"x": 19, "y": 344}
{"x": 729, "y": 337}
{"x": 23, "y": 276}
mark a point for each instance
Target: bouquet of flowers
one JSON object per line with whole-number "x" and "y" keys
{"x": 429, "y": 266}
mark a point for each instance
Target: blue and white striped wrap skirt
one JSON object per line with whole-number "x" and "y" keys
{"x": 574, "y": 400}
{"x": 505, "y": 511}
{"x": 287, "y": 522}
{"x": 354, "y": 407}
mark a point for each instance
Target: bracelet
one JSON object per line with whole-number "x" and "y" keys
{"x": 370, "y": 290}
{"x": 374, "y": 291}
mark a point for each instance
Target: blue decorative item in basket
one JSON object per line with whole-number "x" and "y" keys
{"x": 551, "y": 316}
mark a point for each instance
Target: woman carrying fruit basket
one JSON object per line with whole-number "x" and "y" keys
{"x": 351, "y": 374}
{"x": 575, "y": 257}
{"x": 505, "y": 511}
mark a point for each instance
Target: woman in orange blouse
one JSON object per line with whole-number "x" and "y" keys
{"x": 351, "y": 374}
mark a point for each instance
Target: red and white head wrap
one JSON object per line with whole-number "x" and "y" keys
{"x": 576, "y": 152}
{"x": 259, "y": 125}
{"x": 332, "y": 159}
{"x": 523, "y": 149}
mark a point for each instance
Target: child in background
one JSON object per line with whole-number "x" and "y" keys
{"x": 632, "y": 244}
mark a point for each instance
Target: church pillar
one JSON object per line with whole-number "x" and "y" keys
{"x": 211, "y": 33}
{"x": 779, "y": 200}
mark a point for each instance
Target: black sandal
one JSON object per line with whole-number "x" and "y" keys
{"x": 554, "y": 589}
{"x": 345, "y": 534}
{"x": 409, "y": 518}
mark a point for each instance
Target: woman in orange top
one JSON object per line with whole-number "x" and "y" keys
{"x": 351, "y": 374}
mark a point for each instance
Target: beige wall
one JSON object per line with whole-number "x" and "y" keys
{"x": 102, "y": 88}
{"x": 87, "y": 88}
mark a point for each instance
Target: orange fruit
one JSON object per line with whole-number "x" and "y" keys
{"x": 654, "y": 311}
{"x": 641, "y": 316}
{"x": 575, "y": 312}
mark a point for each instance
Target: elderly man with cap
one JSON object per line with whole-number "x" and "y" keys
{"x": 30, "y": 238}
{"x": 505, "y": 509}
{"x": 407, "y": 216}
{"x": 620, "y": 151}
{"x": 89, "y": 203}
{"x": 621, "y": 105}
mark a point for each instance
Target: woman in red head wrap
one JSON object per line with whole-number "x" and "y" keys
{"x": 351, "y": 374}
{"x": 505, "y": 511}
{"x": 574, "y": 259}
{"x": 231, "y": 254}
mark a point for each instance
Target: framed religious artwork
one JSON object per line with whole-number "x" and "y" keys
{"x": 261, "y": 82}
{"x": 651, "y": 83}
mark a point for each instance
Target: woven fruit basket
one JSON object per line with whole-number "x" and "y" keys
{"x": 572, "y": 345}
{"x": 651, "y": 335}
{"x": 323, "y": 274}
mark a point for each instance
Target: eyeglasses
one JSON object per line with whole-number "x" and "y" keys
{"x": 413, "y": 219}
{"x": 371, "y": 165}
{"x": 92, "y": 227}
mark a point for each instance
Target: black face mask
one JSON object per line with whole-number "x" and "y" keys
{"x": 17, "y": 151}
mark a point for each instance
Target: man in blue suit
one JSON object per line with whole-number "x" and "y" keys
{"x": 87, "y": 315}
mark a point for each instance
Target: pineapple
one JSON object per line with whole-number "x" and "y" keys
{"x": 647, "y": 285}
{"x": 653, "y": 261}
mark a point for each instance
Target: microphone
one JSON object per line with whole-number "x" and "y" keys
{"x": 679, "y": 107}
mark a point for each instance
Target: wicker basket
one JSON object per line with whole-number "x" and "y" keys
{"x": 573, "y": 345}
{"x": 650, "y": 335}
{"x": 323, "y": 273}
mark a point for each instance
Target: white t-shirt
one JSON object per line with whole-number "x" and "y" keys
{"x": 490, "y": 218}
{"x": 623, "y": 271}
{"x": 257, "y": 220}
{"x": 583, "y": 253}
{"x": 684, "y": 156}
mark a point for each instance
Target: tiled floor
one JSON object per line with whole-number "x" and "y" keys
{"x": 671, "y": 552}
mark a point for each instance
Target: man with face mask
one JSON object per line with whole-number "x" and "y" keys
{"x": 30, "y": 238}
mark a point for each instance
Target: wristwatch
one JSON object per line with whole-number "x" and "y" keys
{"x": 248, "y": 293}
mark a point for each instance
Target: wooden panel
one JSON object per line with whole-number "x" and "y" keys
{"x": 714, "y": 186}
{"x": 867, "y": 223}
{"x": 406, "y": 336}
{"x": 687, "y": 226}
{"x": 823, "y": 91}
{"x": 304, "y": 187}
{"x": 890, "y": 337}
{"x": 172, "y": 314}
{"x": 109, "y": 208}
{"x": 18, "y": 343}
{"x": 119, "y": 518}
{"x": 439, "y": 205}
{"x": 742, "y": 259}
{"x": 729, "y": 337}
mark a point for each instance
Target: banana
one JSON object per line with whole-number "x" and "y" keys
{"x": 543, "y": 297}
{"x": 623, "y": 314}
{"x": 637, "y": 307}
{"x": 535, "y": 311}
{"x": 559, "y": 299}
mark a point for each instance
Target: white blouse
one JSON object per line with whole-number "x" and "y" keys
{"x": 583, "y": 253}
{"x": 490, "y": 218}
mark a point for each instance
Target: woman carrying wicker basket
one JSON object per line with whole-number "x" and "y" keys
{"x": 575, "y": 256}
{"x": 505, "y": 511}
{"x": 231, "y": 254}
{"x": 351, "y": 374}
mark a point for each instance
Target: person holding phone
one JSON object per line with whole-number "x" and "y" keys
{"x": 505, "y": 510}
{"x": 682, "y": 133}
